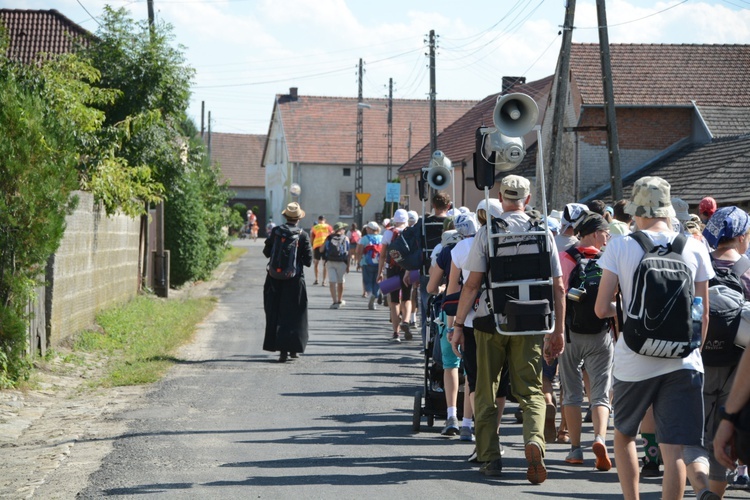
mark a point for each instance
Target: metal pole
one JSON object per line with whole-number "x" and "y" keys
{"x": 359, "y": 160}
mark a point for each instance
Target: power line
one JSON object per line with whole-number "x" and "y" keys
{"x": 89, "y": 13}
{"x": 633, "y": 20}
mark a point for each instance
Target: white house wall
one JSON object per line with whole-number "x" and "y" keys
{"x": 278, "y": 172}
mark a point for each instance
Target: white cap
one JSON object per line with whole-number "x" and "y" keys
{"x": 400, "y": 217}
{"x": 413, "y": 216}
{"x": 496, "y": 208}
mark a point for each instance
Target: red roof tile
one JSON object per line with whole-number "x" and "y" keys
{"x": 239, "y": 157}
{"x": 663, "y": 75}
{"x": 457, "y": 141}
{"x": 31, "y": 32}
{"x": 324, "y": 129}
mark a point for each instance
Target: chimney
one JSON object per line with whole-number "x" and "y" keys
{"x": 293, "y": 93}
{"x": 509, "y": 81}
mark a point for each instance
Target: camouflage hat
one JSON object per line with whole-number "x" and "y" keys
{"x": 340, "y": 225}
{"x": 515, "y": 187}
{"x": 651, "y": 199}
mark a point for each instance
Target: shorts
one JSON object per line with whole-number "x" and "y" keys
{"x": 718, "y": 381}
{"x": 678, "y": 406}
{"x": 404, "y": 291}
{"x": 450, "y": 360}
{"x": 318, "y": 253}
{"x": 336, "y": 271}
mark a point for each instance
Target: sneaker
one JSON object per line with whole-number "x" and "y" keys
{"x": 650, "y": 469}
{"x": 316, "y": 282}
{"x": 709, "y": 495}
{"x": 473, "y": 457}
{"x": 335, "y": 305}
{"x": 395, "y": 338}
{"x": 739, "y": 482}
{"x": 293, "y": 355}
{"x": 342, "y": 303}
{"x": 451, "y": 427}
{"x": 371, "y": 303}
{"x": 602, "y": 458}
{"x": 380, "y": 300}
{"x": 536, "y": 473}
{"x": 466, "y": 434}
{"x": 575, "y": 456}
{"x": 323, "y": 283}
{"x": 494, "y": 468}
{"x": 407, "y": 331}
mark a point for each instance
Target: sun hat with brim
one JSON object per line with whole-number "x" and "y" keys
{"x": 293, "y": 211}
{"x": 400, "y": 217}
{"x": 572, "y": 215}
{"x": 496, "y": 208}
{"x": 466, "y": 224}
{"x": 726, "y": 222}
{"x": 449, "y": 237}
{"x": 372, "y": 225}
{"x": 651, "y": 199}
{"x": 681, "y": 209}
{"x": 340, "y": 225}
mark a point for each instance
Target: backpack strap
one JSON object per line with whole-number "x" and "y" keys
{"x": 644, "y": 241}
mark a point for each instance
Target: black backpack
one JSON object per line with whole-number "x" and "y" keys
{"x": 406, "y": 249}
{"x": 726, "y": 300}
{"x": 283, "y": 262}
{"x": 337, "y": 248}
{"x": 583, "y": 289}
{"x": 659, "y": 321}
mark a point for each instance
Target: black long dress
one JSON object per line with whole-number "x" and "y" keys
{"x": 285, "y": 302}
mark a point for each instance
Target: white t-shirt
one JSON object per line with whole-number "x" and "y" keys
{"x": 459, "y": 254}
{"x": 622, "y": 257}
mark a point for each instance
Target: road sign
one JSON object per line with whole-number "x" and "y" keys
{"x": 392, "y": 192}
{"x": 362, "y": 198}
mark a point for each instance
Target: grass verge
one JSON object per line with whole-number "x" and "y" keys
{"x": 139, "y": 339}
{"x": 233, "y": 253}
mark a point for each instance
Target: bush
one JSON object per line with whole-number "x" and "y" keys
{"x": 185, "y": 233}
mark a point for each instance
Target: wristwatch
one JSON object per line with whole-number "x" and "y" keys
{"x": 456, "y": 323}
{"x": 732, "y": 417}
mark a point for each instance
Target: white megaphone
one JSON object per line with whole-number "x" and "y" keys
{"x": 509, "y": 151}
{"x": 439, "y": 171}
{"x": 515, "y": 114}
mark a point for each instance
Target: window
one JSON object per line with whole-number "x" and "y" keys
{"x": 346, "y": 203}
{"x": 347, "y": 172}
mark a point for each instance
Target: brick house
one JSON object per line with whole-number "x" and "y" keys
{"x": 312, "y": 142}
{"x": 671, "y": 100}
{"x": 239, "y": 157}
{"x": 458, "y": 143}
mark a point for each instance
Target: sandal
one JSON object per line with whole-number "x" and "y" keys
{"x": 562, "y": 437}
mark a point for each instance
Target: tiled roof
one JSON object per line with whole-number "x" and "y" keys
{"x": 324, "y": 129}
{"x": 663, "y": 75}
{"x": 457, "y": 141}
{"x": 726, "y": 122}
{"x": 31, "y": 32}
{"x": 719, "y": 169}
{"x": 239, "y": 157}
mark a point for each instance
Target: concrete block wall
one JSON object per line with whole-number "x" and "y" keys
{"x": 95, "y": 267}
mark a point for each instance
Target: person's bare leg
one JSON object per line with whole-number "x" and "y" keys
{"x": 340, "y": 289}
{"x": 600, "y": 419}
{"x": 675, "y": 473}
{"x": 626, "y": 456}
{"x": 573, "y": 418}
{"x": 332, "y": 288}
{"x": 315, "y": 267}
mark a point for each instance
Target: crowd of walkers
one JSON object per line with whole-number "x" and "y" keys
{"x": 600, "y": 352}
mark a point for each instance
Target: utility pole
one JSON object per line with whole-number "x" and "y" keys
{"x": 359, "y": 160}
{"x": 433, "y": 96}
{"x": 161, "y": 258}
{"x": 203, "y": 116}
{"x": 561, "y": 95}
{"x": 613, "y": 147}
{"x": 390, "y": 129}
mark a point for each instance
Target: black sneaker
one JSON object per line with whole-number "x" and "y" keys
{"x": 395, "y": 339}
{"x": 651, "y": 469}
{"x": 494, "y": 468}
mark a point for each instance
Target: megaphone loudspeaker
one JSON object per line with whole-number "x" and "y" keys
{"x": 438, "y": 177}
{"x": 515, "y": 114}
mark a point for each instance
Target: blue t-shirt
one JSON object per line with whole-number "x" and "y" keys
{"x": 370, "y": 254}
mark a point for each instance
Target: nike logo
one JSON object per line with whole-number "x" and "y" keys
{"x": 675, "y": 286}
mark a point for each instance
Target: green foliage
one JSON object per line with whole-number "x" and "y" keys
{"x": 240, "y": 208}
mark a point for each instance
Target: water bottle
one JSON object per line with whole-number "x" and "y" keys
{"x": 696, "y": 312}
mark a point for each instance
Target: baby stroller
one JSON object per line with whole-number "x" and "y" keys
{"x": 433, "y": 391}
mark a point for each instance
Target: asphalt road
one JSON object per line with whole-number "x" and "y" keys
{"x": 231, "y": 422}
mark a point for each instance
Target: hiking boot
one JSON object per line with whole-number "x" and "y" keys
{"x": 407, "y": 331}
{"x": 709, "y": 495}
{"x": 575, "y": 456}
{"x": 536, "y": 473}
{"x": 395, "y": 338}
{"x": 602, "y": 458}
{"x": 494, "y": 468}
{"x": 466, "y": 434}
{"x": 550, "y": 429}
{"x": 451, "y": 427}
{"x": 651, "y": 469}
{"x": 371, "y": 303}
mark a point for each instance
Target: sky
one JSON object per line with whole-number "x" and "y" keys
{"x": 247, "y": 51}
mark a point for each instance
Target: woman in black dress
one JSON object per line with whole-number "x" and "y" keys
{"x": 285, "y": 299}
